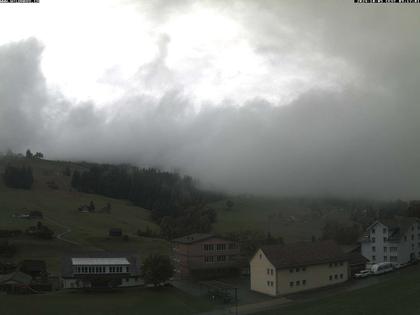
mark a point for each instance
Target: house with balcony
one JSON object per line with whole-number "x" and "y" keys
{"x": 100, "y": 270}
{"x": 394, "y": 240}
{"x": 204, "y": 256}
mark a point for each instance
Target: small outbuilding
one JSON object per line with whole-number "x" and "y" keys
{"x": 115, "y": 232}
{"x": 33, "y": 268}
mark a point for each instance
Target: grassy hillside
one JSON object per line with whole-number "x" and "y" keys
{"x": 291, "y": 219}
{"x": 288, "y": 218}
{"x": 88, "y": 231}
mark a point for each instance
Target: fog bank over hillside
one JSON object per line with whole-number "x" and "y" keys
{"x": 354, "y": 135}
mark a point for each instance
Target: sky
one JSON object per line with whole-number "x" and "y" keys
{"x": 264, "y": 97}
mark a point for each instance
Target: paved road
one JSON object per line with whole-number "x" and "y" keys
{"x": 277, "y": 303}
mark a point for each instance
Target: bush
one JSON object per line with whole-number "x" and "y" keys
{"x": 157, "y": 269}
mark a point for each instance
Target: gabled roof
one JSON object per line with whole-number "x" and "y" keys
{"x": 356, "y": 258}
{"x": 93, "y": 261}
{"x": 16, "y": 276}
{"x": 397, "y": 226}
{"x": 303, "y": 254}
{"x": 32, "y": 265}
{"x": 192, "y": 238}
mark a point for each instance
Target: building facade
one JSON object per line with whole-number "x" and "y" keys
{"x": 204, "y": 256}
{"x": 100, "y": 271}
{"x": 285, "y": 269}
{"x": 396, "y": 240}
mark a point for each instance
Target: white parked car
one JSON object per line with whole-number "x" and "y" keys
{"x": 362, "y": 274}
{"x": 381, "y": 268}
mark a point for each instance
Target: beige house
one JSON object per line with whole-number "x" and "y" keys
{"x": 284, "y": 269}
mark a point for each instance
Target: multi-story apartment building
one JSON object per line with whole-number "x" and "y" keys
{"x": 204, "y": 255}
{"x": 392, "y": 240}
{"x": 285, "y": 269}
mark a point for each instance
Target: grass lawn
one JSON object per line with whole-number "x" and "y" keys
{"x": 121, "y": 302}
{"x": 398, "y": 295}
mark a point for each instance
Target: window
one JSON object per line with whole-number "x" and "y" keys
{"x": 335, "y": 276}
{"x": 220, "y": 247}
{"x": 272, "y": 271}
{"x": 208, "y": 259}
{"x": 393, "y": 249}
{"x": 331, "y": 277}
{"x": 373, "y": 239}
{"x": 260, "y": 256}
{"x": 233, "y": 246}
{"x": 297, "y": 282}
{"x": 373, "y": 249}
{"x": 209, "y": 247}
{"x": 385, "y": 249}
{"x": 303, "y": 268}
{"x": 341, "y": 263}
{"x": 384, "y": 239}
{"x": 373, "y": 257}
{"x": 330, "y": 264}
{"x": 291, "y": 270}
{"x": 268, "y": 271}
{"x": 373, "y": 231}
{"x": 341, "y": 276}
{"x": 385, "y": 258}
{"x": 297, "y": 269}
{"x": 268, "y": 283}
{"x": 221, "y": 258}
{"x": 303, "y": 282}
{"x": 393, "y": 258}
{"x": 384, "y": 230}
{"x": 405, "y": 237}
{"x": 291, "y": 284}
{"x": 412, "y": 237}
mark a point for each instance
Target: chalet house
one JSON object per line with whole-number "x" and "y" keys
{"x": 204, "y": 256}
{"x": 15, "y": 282}
{"x": 392, "y": 240}
{"x": 34, "y": 268}
{"x": 284, "y": 269}
{"x": 100, "y": 270}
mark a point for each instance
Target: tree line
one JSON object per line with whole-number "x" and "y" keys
{"x": 176, "y": 202}
{"x": 18, "y": 177}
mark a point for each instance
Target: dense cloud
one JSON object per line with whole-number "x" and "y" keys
{"x": 358, "y": 137}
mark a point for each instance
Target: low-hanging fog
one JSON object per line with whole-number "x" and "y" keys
{"x": 334, "y": 110}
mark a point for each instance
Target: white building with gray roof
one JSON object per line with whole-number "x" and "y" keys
{"x": 394, "y": 240}
{"x": 100, "y": 270}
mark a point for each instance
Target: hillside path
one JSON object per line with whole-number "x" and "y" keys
{"x": 67, "y": 230}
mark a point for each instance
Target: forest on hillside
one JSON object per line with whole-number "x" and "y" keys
{"x": 176, "y": 202}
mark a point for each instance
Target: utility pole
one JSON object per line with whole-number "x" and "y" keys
{"x": 236, "y": 301}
